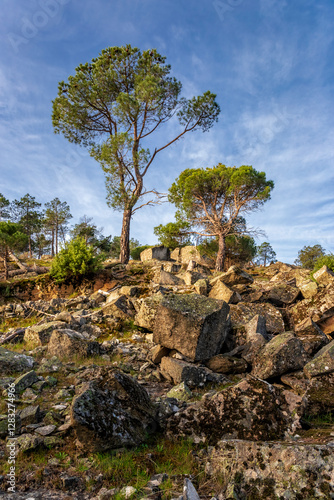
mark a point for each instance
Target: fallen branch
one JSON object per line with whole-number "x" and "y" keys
{"x": 12, "y": 335}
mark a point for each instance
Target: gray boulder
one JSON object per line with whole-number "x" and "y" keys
{"x": 177, "y": 371}
{"x": 322, "y": 363}
{"x": 24, "y": 381}
{"x": 243, "y": 312}
{"x": 68, "y": 343}
{"x": 311, "y": 335}
{"x": 252, "y": 410}
{"x": 272, "y": 470}
{"x": 158, "y": 253}
{"x": 319, "y": 395}
{"x": 166, "y": 278}
{"x": 11, "y": 362}
{"x": 236, "y": 276}
{"x": 147, "y": 311}
{"x": 40, "y": 334}
{"x": 194, "y": 325}
{"x": 112, "y": 411}
{"x": 222, "y": 363}
{"x": 220, "y": 291}
{"x": 280, "y": 355}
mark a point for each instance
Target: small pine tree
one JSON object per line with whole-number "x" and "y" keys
{"x": 75, "y": 259}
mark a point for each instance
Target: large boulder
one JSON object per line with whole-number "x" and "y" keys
{"x": 236, "y": 276}
{"x": 158, "y": 253}
{"x": 190, "y": 253}
{"x": 11, "y": 362}
{"x": 166, "y": 278}
{"x": 194, "y": 325}
{"x": 308, "y": 289}
{"x": 222, "y": 363}
{"x": 222, "y": 292}
{"x": 120, "y": 307}
{"x": 145, "y": 317}
{"x": 252, "y": 410}
{"x": 283, "y": 294}
{"x": 324, "y": 276}
{"x": 280, "y": 355}
{"x": 40, "y": 334}
{"x": 243, "y": 312}
{"x": 312, "y": 337}
{"x": 190, "y": 277}
{"x": 112, "y": 411}
{"x": 319, "y": 308}
{"x": 272, "y": 470}
{"x": 322, "y": 363}
{"x": 24, "y": 381}
{"x": 177, "y": 371}
{"x": 69, "y": 343}
{"x": 256, "y": 338}
{"x": 319, "y": 395}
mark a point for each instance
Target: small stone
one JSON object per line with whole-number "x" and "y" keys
{"x": 24, "y": 381}
{"x": 28, "y": 395}
{"x": 180, "y": 392}
{"x": 46, "y": 430}
{"x": 128, "y": 491}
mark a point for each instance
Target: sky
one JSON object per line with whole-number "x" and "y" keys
{"x": 270, "y": 62}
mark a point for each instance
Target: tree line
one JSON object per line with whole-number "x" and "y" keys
{"x": 27, "y": 226}
{"x": 44, "y": 227}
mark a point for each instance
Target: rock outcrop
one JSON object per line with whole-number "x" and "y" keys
{"x": 112, "y": 411}
{"x": 194, "y": 325}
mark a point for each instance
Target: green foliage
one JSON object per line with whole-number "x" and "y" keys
{"x": 135, "y": 252}
{"x": 265, "y": 254}
{"x": 115, "y": 246}
{"x": 325, "y": 260}
{"x": 4, "y": 208}
{"x": 308, "y": 256}
{"x": 27, "y": 213}
{"x": 240, "y": 249}
{"x": 12, "y": 236}
{"x": 76, "y": 259}
{"x": 57, "y": 215}
{"x": 212, "y": 200}
{"x": 115, "y": 102}
{"x": 208, "y": 247}
{"x": 92, "y": 236}
{"x": 173, "y": 234}
{"x": 85, "y": 229}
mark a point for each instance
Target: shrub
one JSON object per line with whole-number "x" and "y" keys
{"x": 326, "y": 260}
{"x": 76, "y": 259}
{"x": 135, "y": 253}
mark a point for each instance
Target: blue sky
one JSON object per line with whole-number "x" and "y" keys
{"x": 270, "y": 62}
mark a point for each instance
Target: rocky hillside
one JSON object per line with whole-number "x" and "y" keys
{"x": 172, "y": 381}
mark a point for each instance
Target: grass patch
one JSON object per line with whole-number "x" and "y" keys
{"x": 135, "y": 467}
{"x": 321, "y": 420}
{"x": 8, "y": 323}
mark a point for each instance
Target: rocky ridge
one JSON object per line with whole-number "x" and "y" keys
{"x": 240, "y": 363}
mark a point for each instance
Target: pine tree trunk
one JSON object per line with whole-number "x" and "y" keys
{"x": 53, "y": 243}
{"x": 5, "y": 263}
{"x": 125, "y": 237}
{"x": 30, "y": 251}
{"x": 56, "y": 238}
{"x": 221, "y": 253}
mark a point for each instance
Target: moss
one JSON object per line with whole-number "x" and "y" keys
{"x": 192, "y": 303}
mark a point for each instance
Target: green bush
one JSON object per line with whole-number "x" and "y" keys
{"x": 76, "y": 259}
{"x": 326, "y": 260}
{"x": 135, "y": 253}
